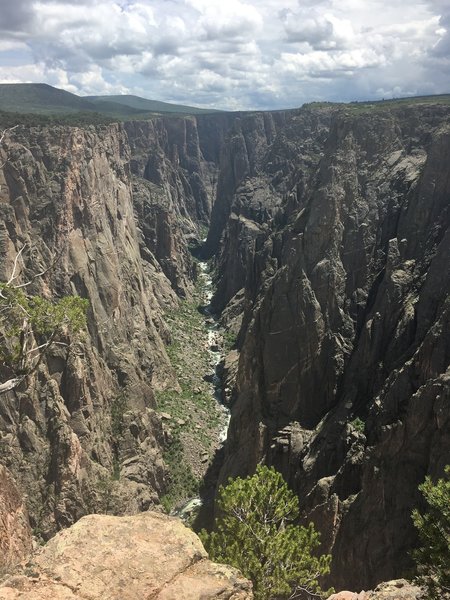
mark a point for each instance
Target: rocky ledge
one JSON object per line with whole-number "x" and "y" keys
{"x": 149, "y": 555}
{"x": 398, "y": 589}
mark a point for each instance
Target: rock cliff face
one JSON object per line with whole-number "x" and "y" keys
{"x": 107, "y": 213}
{"x": 335, "y": 245}
{"x": 66, "y": 194}
{"x": 175, "y": 163}
{"x": 15, "y": 531}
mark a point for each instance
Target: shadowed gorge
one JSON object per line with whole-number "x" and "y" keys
{"x": 327, "y": 235}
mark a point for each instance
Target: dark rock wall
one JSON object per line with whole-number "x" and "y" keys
{"x": 343, "y": 379}
{"x": 181, "y": 156}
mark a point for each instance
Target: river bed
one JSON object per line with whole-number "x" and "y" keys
{"x": 214, "y": 348}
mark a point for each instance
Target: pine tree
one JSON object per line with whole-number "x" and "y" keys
{"x": 255, "y": 532}
{"x": 433, "y": 556}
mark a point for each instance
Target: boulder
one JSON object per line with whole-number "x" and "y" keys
{"x": 149, "y": 555}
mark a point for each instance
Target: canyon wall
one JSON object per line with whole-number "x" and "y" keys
{"x": 103, "y": 212}
{"x": 334, "y": 261}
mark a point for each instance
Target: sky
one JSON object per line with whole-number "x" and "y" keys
{"x": 230, "y": 54}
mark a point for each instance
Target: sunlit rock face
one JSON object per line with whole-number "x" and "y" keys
{"x": 105, "y": 212}
{"x": 15, "y": 531}
{"x": 123, "y": 558}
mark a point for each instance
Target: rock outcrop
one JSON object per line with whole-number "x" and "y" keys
{"x": 335, "y": 243}
{"x": 123, "y": 558}
{"x": 15, "y": 532}
{"x": 398, "y": 589}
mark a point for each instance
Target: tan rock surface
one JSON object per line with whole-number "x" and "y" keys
{"x": 15, "y": 532}
{"x": 149, "y": 556}
{"x": 398, "y": 589}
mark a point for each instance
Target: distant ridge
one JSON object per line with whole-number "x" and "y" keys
{"x": 44, "y": 99}
{"x": 144, "y": 105}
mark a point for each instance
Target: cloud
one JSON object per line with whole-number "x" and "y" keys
{"x": 236, "y": 54}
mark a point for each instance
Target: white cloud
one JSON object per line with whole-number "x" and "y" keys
{"x": 239, "y": 53}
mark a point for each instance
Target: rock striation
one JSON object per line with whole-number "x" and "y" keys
{"x": 66, "y": 196}
{"x": 123, "y": 558}
{"x": 15, "y": 531}
{"x": 105, "y": 212}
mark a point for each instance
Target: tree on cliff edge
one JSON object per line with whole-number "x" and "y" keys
{"x": 433, "y": 557}
{"x": 255, "y": 533}
{"x": 30, "y": 325}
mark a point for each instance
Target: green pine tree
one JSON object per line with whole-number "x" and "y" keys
{"x": 433, "y": 556}
{"x": 255, "y": 533}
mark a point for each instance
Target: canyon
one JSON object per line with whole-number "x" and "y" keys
{"x": 328, "y": 238}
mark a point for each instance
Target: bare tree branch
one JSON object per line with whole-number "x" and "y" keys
{"x": 16, "y": 260}
{"x": 11, "y": 384}
{"x": 41, "y": 273}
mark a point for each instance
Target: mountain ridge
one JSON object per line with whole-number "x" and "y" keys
{"x": 41, "y": 98}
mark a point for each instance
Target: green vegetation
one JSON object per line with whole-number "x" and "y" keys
{"x": 30, "y": 326}
{"x": 118, "y": 408}
{"x": 78, "y": 119}
{"x": 143, "y": 105}
{"x": 191, "y": 412}
{"x": 229, "y": 340}
{"x": 358, "y": 424}
{"x": 381, "y": 105}
{"x": 42, "y": 104}
{"x": 255, "y": 533}
{"x": 183, "y": 483}
{"x": 433, "y": 556}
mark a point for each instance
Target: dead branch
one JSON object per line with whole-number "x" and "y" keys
{"x": 16, "y": 260}
{"x": 11, "y": 384}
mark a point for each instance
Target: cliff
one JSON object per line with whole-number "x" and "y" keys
{"x": 335, "y": 248}
{"x": 107, "y": 213}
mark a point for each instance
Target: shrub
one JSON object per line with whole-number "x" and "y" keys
{"x": 433, "y": 556}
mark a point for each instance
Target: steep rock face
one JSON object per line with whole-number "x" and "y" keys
{"x": 144, "y": 556}
{"x": 66, "y": 194}
{"x": 15, "y": 531}
{"x": 181, "y": 156}
{"x": 342, "y": 380}
{"x": 175, "y": 162}
{"x": 266, "y": 169}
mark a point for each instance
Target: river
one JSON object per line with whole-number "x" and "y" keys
{"x": 214, "y": 347}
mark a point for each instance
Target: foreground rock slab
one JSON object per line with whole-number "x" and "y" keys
{"x": 149, "y": 556}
